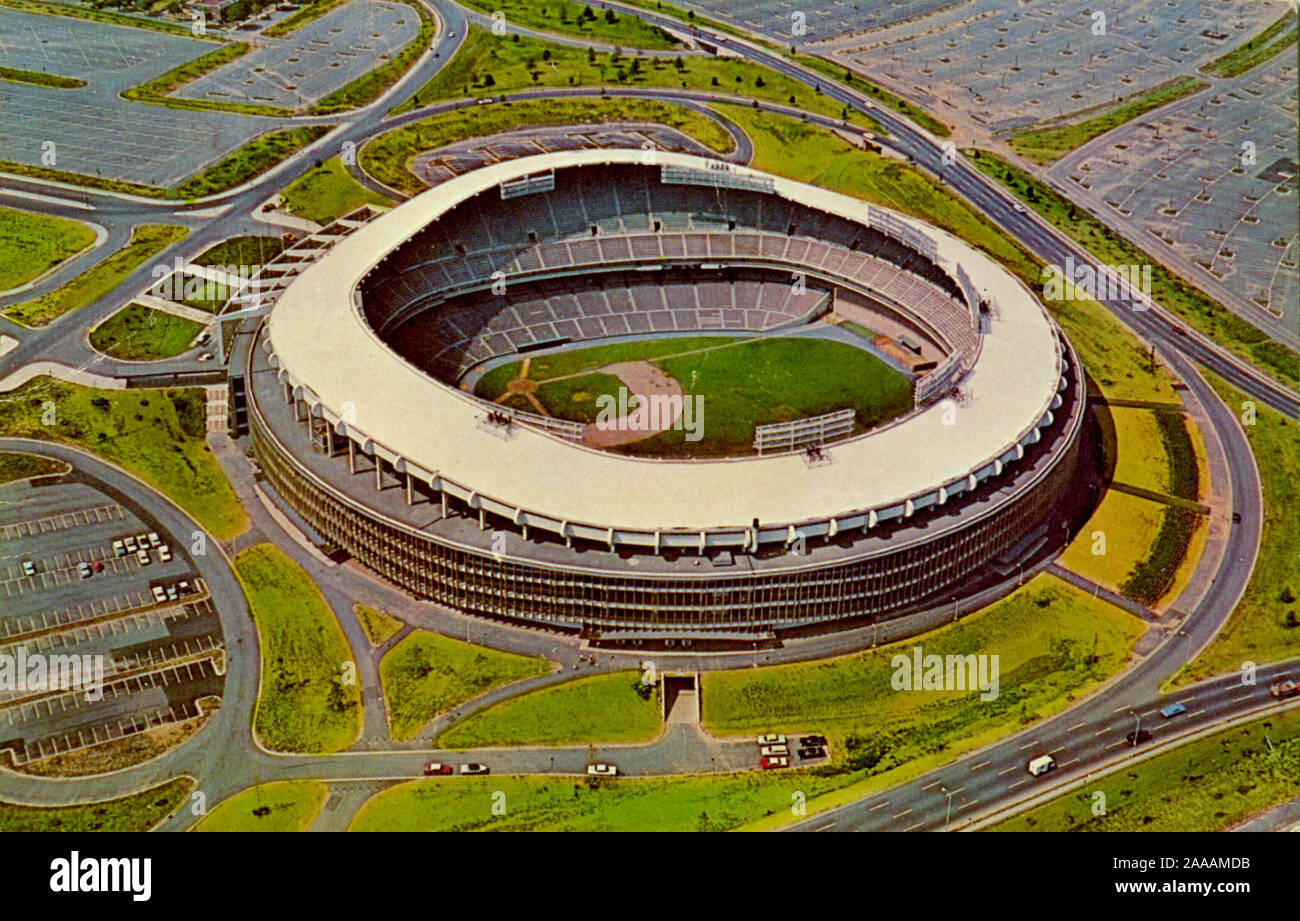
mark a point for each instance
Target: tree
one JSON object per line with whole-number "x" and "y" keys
{"x": 758, "y": 82}
{"x": 591, "y": 55}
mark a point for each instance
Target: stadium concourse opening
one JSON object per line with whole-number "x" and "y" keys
{"x": 889, "y": 418}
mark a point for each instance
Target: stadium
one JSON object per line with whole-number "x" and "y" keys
{"x": 887, "y": 416}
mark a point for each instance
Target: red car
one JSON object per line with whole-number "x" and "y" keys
{"x": 772, "y": 762}
{"x": 434, "y": 768}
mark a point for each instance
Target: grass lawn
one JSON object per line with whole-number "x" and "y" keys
{"x": 248, "y": 250}
{"x": 328, "y": 192}
{"x": 378, "y": 626}
{"x": 1172, "y": 291}
{"x": 386, "y": 156}
{"x": 305, "y": 14}
{"x": 1207, "y": 785}
{"x": 134, "y": 812}
{"x": 742, "y": 382}
{"x": 158, "y": 435}
{"x": 37, "y": 78}
{"x": 1050, "y": 143}
{"x": 31, "y": 244}
{"x": 1054, "y": 645}
{"x": 249, "y": 161}
{"x": 147, "y": 240}
{"x": 303, "y": 704}
{"x": 1257, "y": 630}
{"x": 427, "y": 674}
{"x": 1141, "y": 459}
{"x": 15, "y": 465}
{"x": 690, "y": 803}
{"x": 139, "y": 333}
{"x": 488, "y": 65}
{"x": 601, "y": 709}
{"x": 1129, "y": 524}
{"x": 566, "y": 17}
{"x": 1259, "y": 49}
{"x": 288, "y": 805}
{"x": 159, "y": 90}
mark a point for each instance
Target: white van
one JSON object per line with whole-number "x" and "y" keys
{"x": 1041, "y": 765}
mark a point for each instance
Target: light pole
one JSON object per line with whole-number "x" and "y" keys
{"x": 947, "y": 819}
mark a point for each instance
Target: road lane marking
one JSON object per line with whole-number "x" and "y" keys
{"x": 914, "y": 827}
{"x": 1008, "y": 770}
{"x": 1074, "y": 727}
{"x": 880, "y": 805}
{"x": 976, "y": 767}
{"x": 903, "y": 813}
{"x": 1117, "y": 742}
{"x": 934, "y": 784}
{"x": 1029, "y": 745}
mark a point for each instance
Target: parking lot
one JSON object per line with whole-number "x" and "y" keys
{"x": 69, "y": 586}
{"x": 1179, "y": 175}
{"x": 313, "y": 61}
{"x": 94, "y": 131}
{"x": 775, "y": 18}
{"x": 1008, "y": 66}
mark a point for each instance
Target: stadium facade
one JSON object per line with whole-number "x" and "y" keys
{"x": 358, "y": 421}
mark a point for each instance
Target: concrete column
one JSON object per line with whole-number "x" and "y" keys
{"x": 442, "y": 495}
{"x": 379, "y": 474}
{"x": 482, "y": 518}
{"x": 410, "y": 496}
{"x": 329, "y": 438}
{"x": 352, "y": 456}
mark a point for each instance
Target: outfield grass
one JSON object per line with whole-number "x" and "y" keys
{"x": 38, "y": 78}
{"x": 1259, "y": 49}
{"x": 600, "y": 709}
{"x": 378, "y": 627}
{"x": 386, "y": 157}
{"x": 1207, "y": 785}
{"x": 328, "y": 192}
{"x": 427, "y": 674}
{"x": 139, "y": 333}
{"x": 1054, "y": 644}
{"x": 741, "y": 382}
{"x": 288, "y": 805}
{"x": 1048, "y": 144}
{"x": 1257, "y": 630}
{"x": 566, "y": 17}
{"x": 15, "y": 465}
{"x": 147, "y": 240}
{"x": 31, "y": 244}
{"x": 249, "y": 161}
{"x": 371, "y": 85}
{"x": 304, "y": 703}
{"x": 690, "y": 803}
{"x": 158, "y": 435}
{"x": 489, "y": 65}
{"x": 135, "y": 812}
{"x": 1172, "y": 291}
{"x": 1129, "y": 526}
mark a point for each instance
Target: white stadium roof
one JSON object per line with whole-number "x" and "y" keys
{"x": 322, "y": 345}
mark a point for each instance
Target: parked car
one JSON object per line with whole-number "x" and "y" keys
{"x": 184, "y": 586}
{"x": 29, "y": 568}
{"x": 1137, "y": 738}
{"x": 474, "y": 767}
{"x": 164, "y": 554}
{"x": 84, "y": 570}
{"x": 437, "y": 769}
{"x": 771, "y": 764}
{"x": 119, "y": 548}
{"x": 172, "y": 594}
{"x": 1284, "y": 689}
{"x": 773, "y": 750}
{"x": 808, "y": 754}
{"x": 1172, "y": 710}
{"x": 158, "y": 594}
{"x": 771, "y": 739}
{"x": 96, "y": 565}
{"x": 154, "y": 539}
{"x": 142, "y": 556}
{"x": 813, "y": 741}
{"x": 602, "y": 770}
{"x": 129, "y": 543}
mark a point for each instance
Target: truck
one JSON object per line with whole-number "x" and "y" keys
{"x": 1041, "y": 765}
{"x": 1284, "y": 689}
